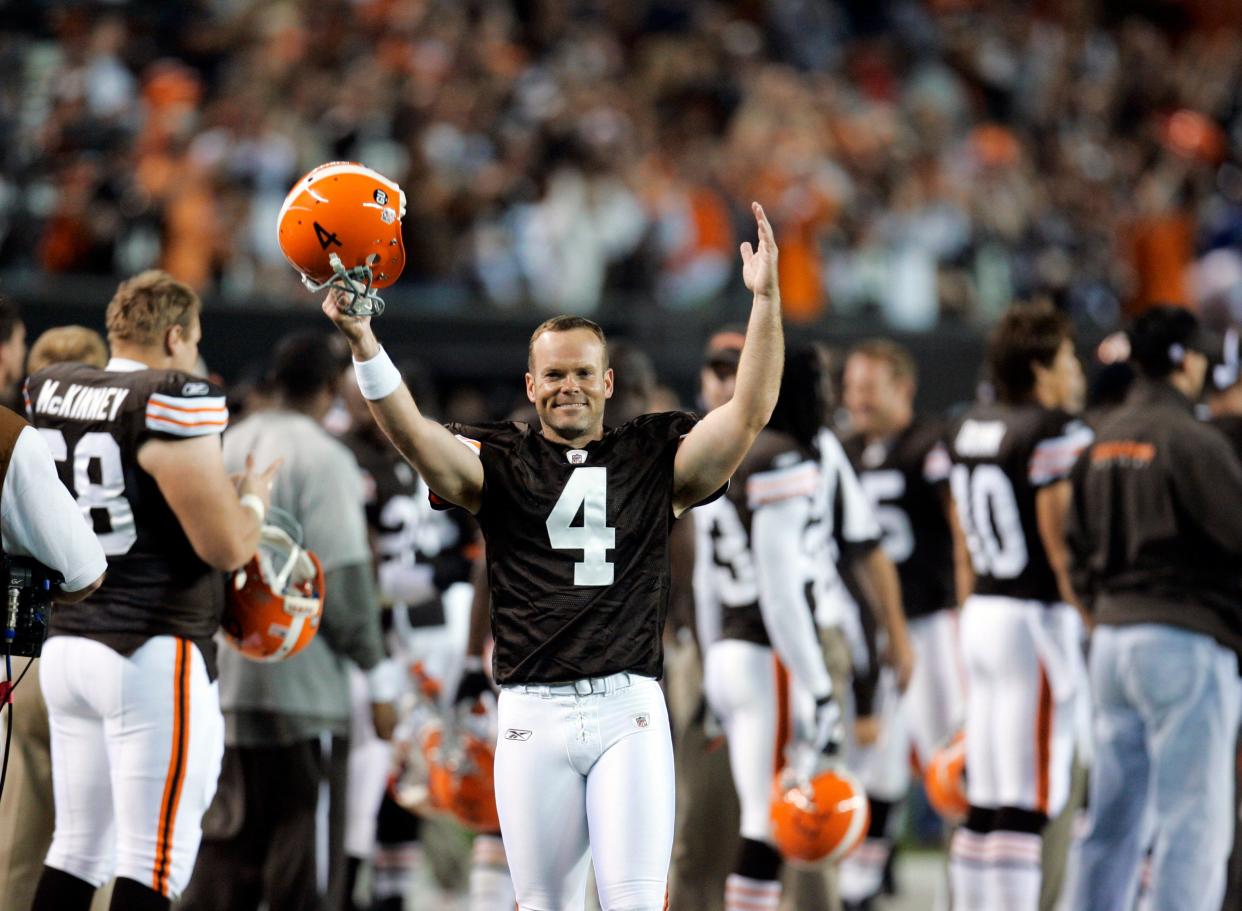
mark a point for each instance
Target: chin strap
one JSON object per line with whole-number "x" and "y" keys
{"x": 354, "y": 282}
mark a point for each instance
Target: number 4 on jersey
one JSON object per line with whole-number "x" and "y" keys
{"x": 587, "y": 490}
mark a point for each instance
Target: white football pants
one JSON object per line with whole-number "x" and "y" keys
{"x": 935, "y": 702}
{"x": 1024, "y": 673}
{"x": 136, "y": 750}
{"x": 588, "y": 764}
{"x": 760, "y": 709}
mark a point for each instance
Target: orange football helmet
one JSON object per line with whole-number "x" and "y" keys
{"x": 340, "y": 226}
{"x": 274, "y": 602}
{"x": 824, "y": 818}
{"x": 460, "y": 779}
{"x": 945, "y": 780}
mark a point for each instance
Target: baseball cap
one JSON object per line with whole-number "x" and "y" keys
{"x": 724, "y": 348}
{"x": 1161, "y": 337}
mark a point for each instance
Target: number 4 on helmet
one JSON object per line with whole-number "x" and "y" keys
{"x": 340, "y": 227}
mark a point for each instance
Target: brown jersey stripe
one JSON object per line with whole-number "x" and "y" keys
{"x": 175, "y": 778}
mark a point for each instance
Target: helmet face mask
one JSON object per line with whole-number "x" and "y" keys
{"x": 340, "y": 227}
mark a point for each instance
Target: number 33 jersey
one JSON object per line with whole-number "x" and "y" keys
{"x": 577, "y": 547}
{"x": 95, "y": 421}
{"x": 1003, "y": 455}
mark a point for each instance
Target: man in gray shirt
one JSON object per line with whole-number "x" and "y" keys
{"x": 287, "y": 723}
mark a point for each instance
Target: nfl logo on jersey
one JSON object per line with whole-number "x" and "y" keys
{"x": 576, "y": 456}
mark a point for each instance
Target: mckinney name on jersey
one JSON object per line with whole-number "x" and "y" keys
{"x": 95, "y": 421}
{"x": 577, "y": 547}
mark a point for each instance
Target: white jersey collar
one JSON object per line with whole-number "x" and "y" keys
{"x": 125, "y": 365}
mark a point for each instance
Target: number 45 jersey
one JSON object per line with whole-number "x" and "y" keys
{"x": 1003, "y": 455}
{"x": 95, "y": 421}
{"x": 577, "y": 547}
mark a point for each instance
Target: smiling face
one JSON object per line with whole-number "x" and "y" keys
{"x": 568, "y": 384}
{"x": 878, "y": 401}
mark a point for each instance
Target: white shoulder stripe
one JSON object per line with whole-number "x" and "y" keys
{"x": 183, "y": 429}
{"x": 193, "y": 403}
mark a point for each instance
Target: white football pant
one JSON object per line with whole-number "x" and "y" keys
{"x": 760, "y": 708}
{"x": 581, "y": 765}
{"x": 136, "y": 749}
{"x": 1024, "y": 671}
{"x": 935, "y": 702}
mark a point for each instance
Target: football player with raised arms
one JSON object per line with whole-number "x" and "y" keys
{"x": 1019, "y": 633}
{"x": 576, "y": 517}
{"x": 130, "y": 673}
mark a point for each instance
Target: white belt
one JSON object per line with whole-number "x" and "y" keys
{"x": 584, "y": 687}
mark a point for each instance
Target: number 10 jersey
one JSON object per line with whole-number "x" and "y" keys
{"x": 95, "y": 421}
{"x": 577, "y": 547}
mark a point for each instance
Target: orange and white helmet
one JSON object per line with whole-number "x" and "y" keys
{"x": 823, "y": 818}
{"x": 274, "y": 602}
{"x": 340, "y": 226}
{"x": 460, "y": 778}
{"x": 945, "y": 780}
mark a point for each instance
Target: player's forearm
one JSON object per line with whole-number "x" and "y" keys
{"x": 450, "y": 469}
{"x": 880, "y": 576}
{"x": 762, "y": 360}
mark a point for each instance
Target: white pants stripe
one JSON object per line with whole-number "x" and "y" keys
{"x": 136, "y": 750}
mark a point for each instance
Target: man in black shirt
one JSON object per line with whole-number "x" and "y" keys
{"x": 1156, "y": 536}
{"x": 1019, "y": 634}
{"x": 578, "y": 604}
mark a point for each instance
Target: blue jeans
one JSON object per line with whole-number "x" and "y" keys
{"x": 1166, "y": 715}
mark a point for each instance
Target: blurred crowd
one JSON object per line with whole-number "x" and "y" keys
{"x": 922, "y": 160}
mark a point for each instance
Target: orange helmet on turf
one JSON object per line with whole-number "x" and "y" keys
{"x": 460, "y": 779}
{"x": 945, "y": 780}
{"x": 340, "y": 226}
{"x": 824, "y": 818}
{"x": 274, "y": 602}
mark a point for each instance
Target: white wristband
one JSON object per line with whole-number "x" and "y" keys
{"x": 378, "y": 378}
{"x": 252, "y": 502}
{"x": 384, "y": 681}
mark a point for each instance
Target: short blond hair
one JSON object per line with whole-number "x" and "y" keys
{"x": 67, "y": 344}
{"x": 565, "y": 324}
{"x": 148, "y": 305}
{"x": 900, "y": 364}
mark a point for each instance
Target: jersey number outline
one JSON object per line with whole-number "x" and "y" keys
{"x": 586, "y": 489}
{"x": 732, "y": 560}
{"x": 107, "y": 495}
{"x": 883, "y": 487}
{"x": 988, "y": 511}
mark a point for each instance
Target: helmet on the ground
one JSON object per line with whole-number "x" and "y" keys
{"x": 823, "y": 818}
{"x": 945, "y": 780}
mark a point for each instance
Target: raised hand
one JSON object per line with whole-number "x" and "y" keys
{"x": 356, "y": 329}
{"x": 759, "y": 266}
{"x": 259, "y": 484}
